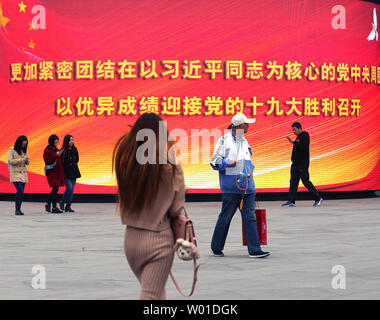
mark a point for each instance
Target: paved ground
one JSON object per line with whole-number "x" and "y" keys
{"x": 83, "y": 256}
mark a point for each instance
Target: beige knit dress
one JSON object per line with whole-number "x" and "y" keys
{"x": 149, "y": 241}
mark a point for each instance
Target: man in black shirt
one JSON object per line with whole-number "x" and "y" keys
{"x": 300, "y": 167}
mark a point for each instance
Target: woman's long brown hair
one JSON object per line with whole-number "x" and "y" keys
{"x": 138, "y": 183}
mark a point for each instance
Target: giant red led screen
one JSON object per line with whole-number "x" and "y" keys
{"x": 90, "y": 68}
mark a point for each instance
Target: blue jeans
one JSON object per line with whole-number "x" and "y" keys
{"x": 69, "y": 192}
{"x": 231, "y": 202}
{"x": 20, "y": 186}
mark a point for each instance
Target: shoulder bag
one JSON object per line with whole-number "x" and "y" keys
{"x": 185, "y": 246}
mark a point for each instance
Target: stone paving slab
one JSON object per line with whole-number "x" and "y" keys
{"x": 83, "y": 256}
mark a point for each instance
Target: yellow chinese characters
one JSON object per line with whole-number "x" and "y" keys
{"x": 193, "y": 70}
{"x": 209, "y": 106}
{"x": 84, "y": 70}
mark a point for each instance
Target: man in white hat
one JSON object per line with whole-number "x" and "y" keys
{"x": 232, "y": 156}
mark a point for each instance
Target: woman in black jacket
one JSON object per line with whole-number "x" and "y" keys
{"x": 70, "y": 159}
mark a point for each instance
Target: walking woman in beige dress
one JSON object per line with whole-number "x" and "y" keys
{"x": 151, "y": 191}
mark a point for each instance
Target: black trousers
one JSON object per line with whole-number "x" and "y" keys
{"x": 297, "y": 173}
{"x": 53, "y": 198}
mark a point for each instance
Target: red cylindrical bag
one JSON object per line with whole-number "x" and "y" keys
{"x": 261, "y": 218}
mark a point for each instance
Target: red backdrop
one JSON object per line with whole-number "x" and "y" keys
{"x": 331, "y": 76}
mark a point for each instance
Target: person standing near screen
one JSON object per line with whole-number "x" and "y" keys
{"x": 230, "y": 150}
{"x": 300, "y": 167}
{"x": 70, "y": 159}
{"x": 54, "y": 172}
{"x": 150, "y": 192}
{"x": 18, "y": 159}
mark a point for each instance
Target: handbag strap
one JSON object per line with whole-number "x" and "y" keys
{"x": 196, "y": 267}
{"x": 184, "y": 212}
{"x": 195, "y": 278}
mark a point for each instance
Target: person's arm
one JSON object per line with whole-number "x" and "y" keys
{"x": 290, "y": 140}
{"x": 13, "y": 162}
{"x": 77, "y": 154}
{"x": 27, "y": 159}
{"x": 218, "y": 161}
{"x": 50, "y": 156}
{"x": 179, "y": 193}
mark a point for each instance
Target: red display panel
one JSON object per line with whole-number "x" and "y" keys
{"x": 90, "y": 68}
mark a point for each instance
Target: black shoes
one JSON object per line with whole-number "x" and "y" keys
{"x": 62, "y": 204}
{"x": 62, "y": 208}
{"x": 65, "y": 208}
{"x": 259, "y": 254}
{"x": 18, "y": 213}
{"x": 49, "y": 209}
{"x": 56, "y": 210}
{"x": 288, "y": 204}
{"x": 68, "y": 209}
{"x": 317, "y": 203}
{"x": 217, "y": 254}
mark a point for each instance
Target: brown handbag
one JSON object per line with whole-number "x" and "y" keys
{"x": 185, "y": 245}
